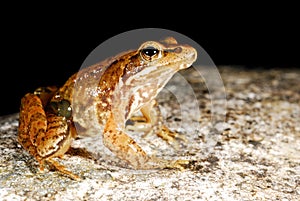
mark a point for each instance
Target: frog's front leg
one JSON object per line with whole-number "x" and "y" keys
{"x": 152, "y": 122}
{"x": 128, "y": 150}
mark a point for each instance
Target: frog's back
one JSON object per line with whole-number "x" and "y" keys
{"x": 90, "y": 90}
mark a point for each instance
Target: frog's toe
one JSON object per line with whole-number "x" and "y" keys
{"x": 139, "y": 127}
{"x": 61, "y": 168}
{"x": 160, "y": 163}
{"x": 179, "y": 164}
{"x": 171, "y": 137}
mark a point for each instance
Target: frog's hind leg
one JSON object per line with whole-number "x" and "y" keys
{"x": 59, "y": 134}
{"x": 32, "y": 121}
{"x": 39, "y": 133}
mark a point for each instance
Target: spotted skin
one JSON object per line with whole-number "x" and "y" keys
{"x": 99, "y": 100}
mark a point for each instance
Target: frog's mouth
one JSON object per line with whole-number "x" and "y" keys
{"x": 154, "y": 78}
{"x": 165, "y": 71}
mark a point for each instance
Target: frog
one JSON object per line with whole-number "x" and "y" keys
{"x": 100, "y": 100}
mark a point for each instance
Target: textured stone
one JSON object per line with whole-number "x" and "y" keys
{"x": 254, "y": 155}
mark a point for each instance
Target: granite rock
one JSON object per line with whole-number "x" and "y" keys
{"x": 248, "y": 151}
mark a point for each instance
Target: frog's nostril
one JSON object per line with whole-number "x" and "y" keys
{"x": 178, "y": 50}
{"x": 193, "y": 56}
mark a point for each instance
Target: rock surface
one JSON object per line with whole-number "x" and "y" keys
{"x": 252, "y": 155}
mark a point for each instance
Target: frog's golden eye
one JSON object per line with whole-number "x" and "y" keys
{"x": 150, "y": 53}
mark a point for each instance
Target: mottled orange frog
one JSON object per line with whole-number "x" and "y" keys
{"x": 98, "y": 100}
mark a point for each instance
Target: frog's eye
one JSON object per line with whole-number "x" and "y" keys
{"x": 150, "y": 53}
{"x": 61, "y": 108}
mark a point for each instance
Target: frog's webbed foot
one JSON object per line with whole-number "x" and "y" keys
{"x": 54, "y": 165}
{"x": 178, "y": 164}
{"x": 82, "y": 152}
{"x": 171, "y": 137}
{"x": 168, "y": 164}
{"x": 61, "y": 168}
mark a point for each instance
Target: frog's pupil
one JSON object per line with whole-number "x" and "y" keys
{"x": 150, "y": 51}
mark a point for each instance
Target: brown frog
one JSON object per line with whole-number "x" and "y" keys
{"x": 98, "y": 100}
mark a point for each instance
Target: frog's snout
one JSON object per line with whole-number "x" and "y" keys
{"x": 190, "y": 57}
{"x": 193, "y": 55}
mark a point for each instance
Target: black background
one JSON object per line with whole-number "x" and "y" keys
{"x": 44, "y": 46}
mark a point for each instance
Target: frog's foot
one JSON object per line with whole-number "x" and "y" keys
{"x": 178, "y": 164}
{"x": 171, "y": 137}
{"x": 139, "y": 124}
{"x": 80, "y": 152}
{"x": 159, "y": 163}
{"x": 61, "y": 169}
{"x": 138, "y": 119}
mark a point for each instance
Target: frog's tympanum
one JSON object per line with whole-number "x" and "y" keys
{"x": 125, "y": 85}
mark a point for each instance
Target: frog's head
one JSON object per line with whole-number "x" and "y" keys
{"x": 151, "y": 67}
{"x": 167, "y": 53}
{"x": 159, "y": 60}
